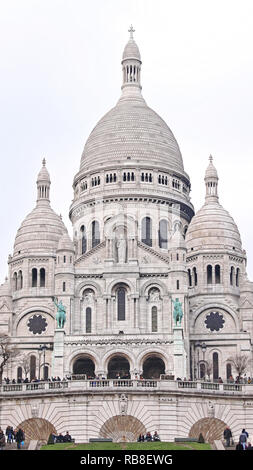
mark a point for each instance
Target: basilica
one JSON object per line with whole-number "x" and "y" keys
{"x": 143, "y": 287}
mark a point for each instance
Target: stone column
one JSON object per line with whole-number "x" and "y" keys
{"x": 58, "y": 353}
{"x": 179, "y": 352}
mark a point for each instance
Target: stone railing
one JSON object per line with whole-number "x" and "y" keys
{"x": 133, "y": 385}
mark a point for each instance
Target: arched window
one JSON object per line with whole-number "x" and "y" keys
{"x": 232, "y": 273}
{"x": 154, "y": 320}
{"x": 19, "y": 374}
{"x": 202, "y": 370}
{"x": 215, "y": 366}
{"x": 195, "y": 276}
{"x": 32, "y": 367}
{"x": 83, "y": 240}
{"x": 20, "y": 280}
{"x": 88, "y": 320}
{"x": 228, "y": 370}
{"x": 42, "y": 277}
{"x": 237, "y": 277}
{"x": 121, "y": 301}
{"x": 95, "y": 235}
{"x": 217, "y": 274}
{"x": 146, "y": 231}
{"x": 189, "y": 278}
{"x": 34, "y": 277}
{"x": 163, "y": 234}
{"x": 15, "y": 281}
{"x": 209, "y": 273}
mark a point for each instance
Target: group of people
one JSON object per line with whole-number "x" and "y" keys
{"x": 12, "y": 435}
{"x": 149, "y": 437}
{"x": 60, "y": 438}
{"x": 242, "y": 444}
{"x": 27, "y": 381}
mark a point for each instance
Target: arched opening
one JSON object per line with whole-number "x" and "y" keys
{"x": 154, "y": 320}
{"x": 237, "y": 277}
{"x": 211, "y": 429}
{"x": 32, "y": 367}
{"x": 84, "y": 366}
{"x": 95, "y": 233}
{"x": 88, "y": 320}
{"x": 34, "y": 277}
{"x": 146, "y": 231}
{"x": 209, "y": 273}
{"x": 202, "y": 370}
{"x": 83, "y": 240}
{"x": 122, "y": 428}
{"x": 153, "y": 367}
{"x": 163, "y": 234}
{"x": 228, "y": 371}
{"x": 37, "y": 429}
{"x": 19, "y": 374}
{"x": 232, "y": 273}
{"x": 195, "y": 276}
{"x": 15, "y": 281}
{"x": 118, "y": 367}
{"x": 217, "y": 274}
{"x": 42, "y": 277}
{"x": 121, "y": 303}
{"x": 189, "y": 278}
{"x": 20, "y": 280}
{"x": 215, "y": 366}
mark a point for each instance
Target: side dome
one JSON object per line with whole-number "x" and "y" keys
{"x": 42, "y": 228}
{"x": 65, "y": 243}
{"x": 212, "y": 227}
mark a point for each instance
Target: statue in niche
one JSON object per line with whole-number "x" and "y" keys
{"x": 88, "y": 297}
{"x": 123, "y": 404}
{"x": 154, "y": 295}
{"x": 121, "y": 246}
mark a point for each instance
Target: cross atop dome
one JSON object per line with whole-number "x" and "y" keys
{"x": 131, "y": 31}
{"x": 211, "y": 158}
{"x": 44, "y": 162}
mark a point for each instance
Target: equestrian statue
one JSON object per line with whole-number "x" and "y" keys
{"x": 61, "y": 313}
{"x": 177, "y": 312}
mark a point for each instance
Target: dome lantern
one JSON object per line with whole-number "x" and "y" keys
{"x": 211, "y": 181}
{"x": 43, "y": 185}
{"x": 131, "y": 63}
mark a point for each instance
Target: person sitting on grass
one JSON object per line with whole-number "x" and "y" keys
{"x": 156, "y": 437}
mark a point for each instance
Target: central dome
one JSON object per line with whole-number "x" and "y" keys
{"x": 131, "y": 130}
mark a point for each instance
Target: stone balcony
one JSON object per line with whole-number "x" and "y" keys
{"x": 95, "y": 385}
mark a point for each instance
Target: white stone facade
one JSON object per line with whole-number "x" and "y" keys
{"x": 136, "y": 247}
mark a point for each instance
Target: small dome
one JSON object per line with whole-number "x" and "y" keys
{"x": 213, "y": 228}
{"x": 39, "y": 232}
{"x": 65, "y": 243}
{"x": 5, "y": 289}
{"x": 42, "y": 228}
{"x": 43, "y": 174}
{"x": 131, "y": 51}
{"x": 211, "y": 171}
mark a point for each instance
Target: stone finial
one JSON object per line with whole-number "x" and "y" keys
{"x": 44, "y": 162}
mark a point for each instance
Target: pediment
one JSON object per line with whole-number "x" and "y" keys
{"x": 4, "y": 307}
{"x": 147, "y": 255}
{"x": 246, "y": 303}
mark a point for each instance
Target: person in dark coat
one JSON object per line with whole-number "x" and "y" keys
{"x": 227, "y": 436}
{"x": 2, "y": 439}
{"x": 20, "y": 437}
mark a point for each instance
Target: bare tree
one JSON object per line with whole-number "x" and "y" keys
{"x": 25, "y": 363}
{"x": 7, "y": 352}
{"x": 241, "y": 363}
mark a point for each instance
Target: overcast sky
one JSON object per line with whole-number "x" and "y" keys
{"x": 60, "y": 72}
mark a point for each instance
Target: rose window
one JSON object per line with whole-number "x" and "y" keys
{"x": 37, "y": 324}
{"x": 214, "y": 321}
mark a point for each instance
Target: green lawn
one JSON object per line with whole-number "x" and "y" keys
{"x": 130, "y": 446}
